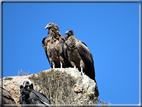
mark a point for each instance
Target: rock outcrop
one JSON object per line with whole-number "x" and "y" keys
{"x": 6, "y": 97}
{"x": 60, "y": 85}
{"x": 12, "y": 85}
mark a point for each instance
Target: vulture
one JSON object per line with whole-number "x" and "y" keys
{"x": 79, "y": 55}
{"x": 31, "y": 96}
{"x": 54, "y": 46}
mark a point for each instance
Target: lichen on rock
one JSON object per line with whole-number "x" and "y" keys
{"x": 66, "y": 86}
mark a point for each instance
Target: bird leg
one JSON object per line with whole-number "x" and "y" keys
{"x": 73, "y": 64}
{"x": 61, "y": 61}
{"x": 60, "y": 64}
{"x": 52, "y": 63}
{"x": 81, "y": 66}
{"x": 53, "y": 66}
{"x": 82, "y": 71}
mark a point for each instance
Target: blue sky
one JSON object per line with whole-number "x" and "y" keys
{"x": 110, "y": 30}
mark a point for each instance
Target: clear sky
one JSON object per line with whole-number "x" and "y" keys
{"x": 110, "y": 30}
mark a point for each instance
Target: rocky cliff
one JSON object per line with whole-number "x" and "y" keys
{"x": 60, "y": 85}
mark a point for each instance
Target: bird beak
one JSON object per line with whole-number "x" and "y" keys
{"x": 46, "y": 27}
{"x": 66, "y": 32}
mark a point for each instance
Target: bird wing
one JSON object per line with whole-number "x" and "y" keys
{"x": 41, "y": 97}
{"x": 62, "y": 41}
{"x": 45, "y": 41}
{"x": 65, "y": 51}
{"x": 86, "y": 56}
{"x": 44, "y": 45}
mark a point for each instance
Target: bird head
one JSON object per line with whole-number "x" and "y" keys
{"x": 69, "y": 33}
{"x": 27, "y": 84}
{"x": 50, "y": 25}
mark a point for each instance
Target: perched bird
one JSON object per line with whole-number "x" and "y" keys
{"x": 53, "y": 46}
{"x": 31, "y": 96}
{"x": 79, "y": 55}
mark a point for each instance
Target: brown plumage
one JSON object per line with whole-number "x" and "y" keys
{"x": 53, "y": 46}
{"x": 79, "y": 55}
